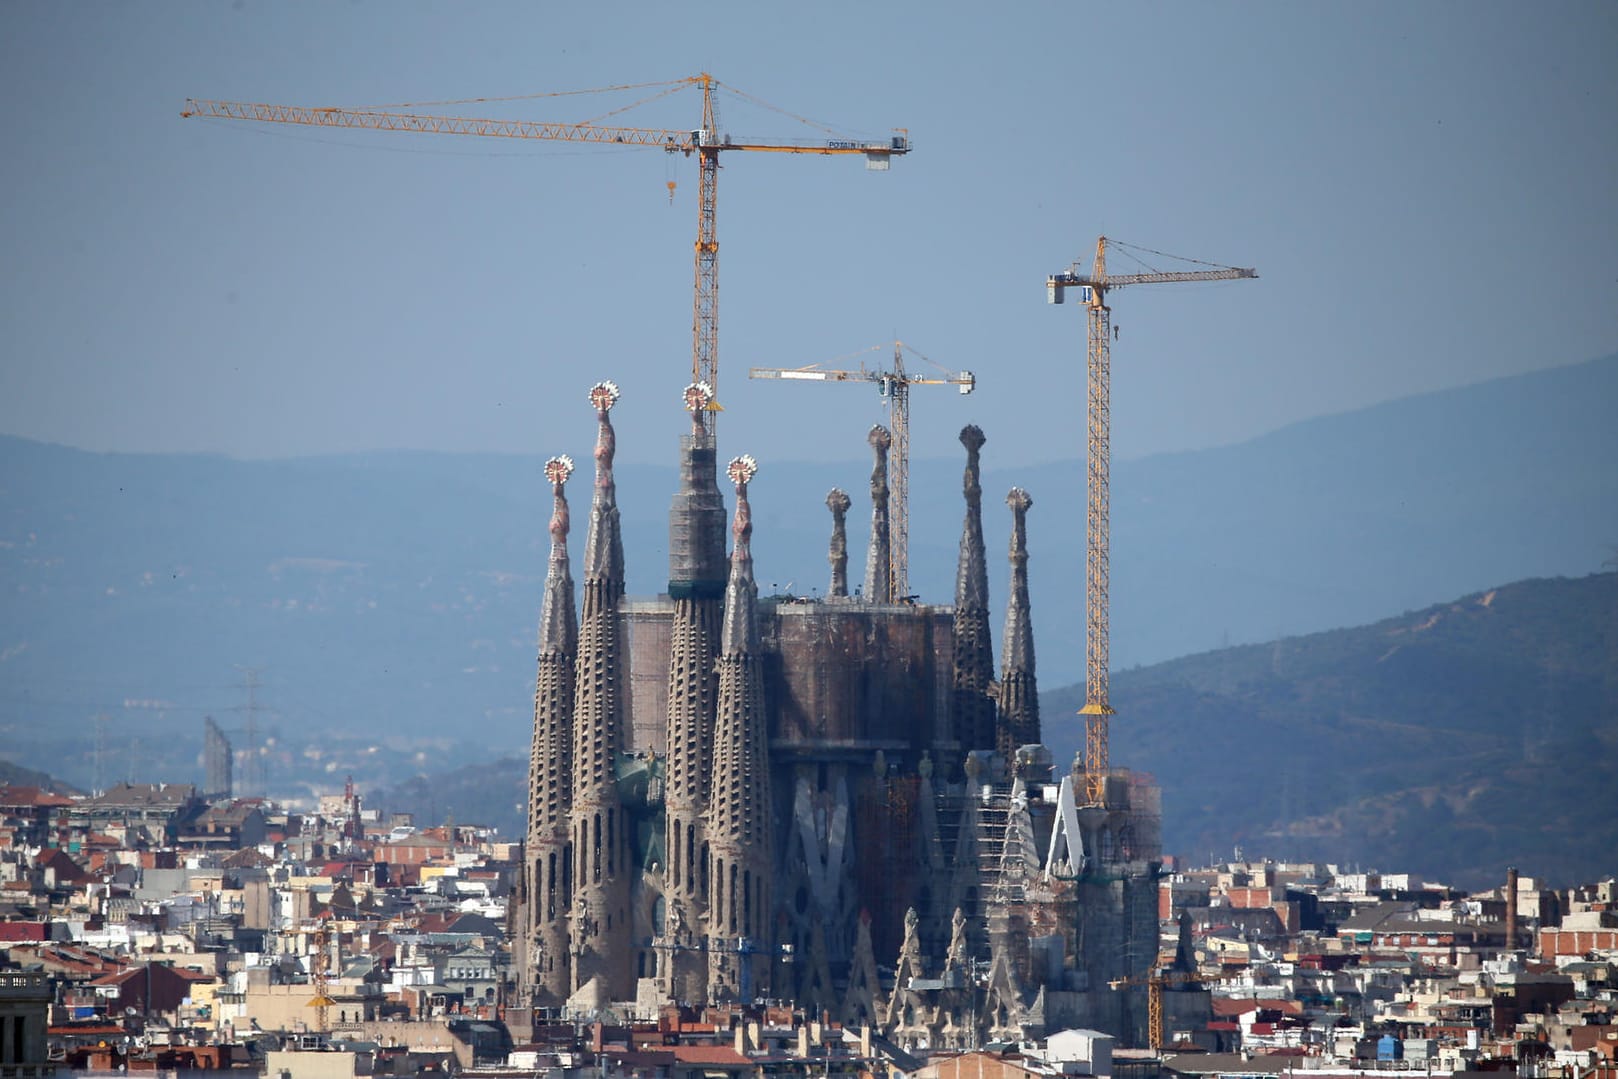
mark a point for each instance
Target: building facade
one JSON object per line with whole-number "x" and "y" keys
{"x": 733, "y": 798}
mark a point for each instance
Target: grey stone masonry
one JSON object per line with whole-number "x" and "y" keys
{"x": 973, "y": 668}
{"x": 739, "y": 824}
{"x": 696, "y": 565}
{"x": 878, "y": 564}
{"x": 837, "y": 554}
{"x": 1019, "y": 691}
{"x": 600, "y": 915}
{"x": 548, "y": 879}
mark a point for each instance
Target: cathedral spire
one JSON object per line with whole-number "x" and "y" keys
{"x": 739, "y": 818}
{"x": 696, "y": 585}
{"x": 1019, "y": 693}
{"x": 599, "y": 825}
{"x": 558, "y": 624}
{"x": 973, "y": 666}
{"x": 838, "y": 502}
{"x": 697, "y": 518}
{"x": 741, "y": 623}
{"x": 971, "y": 573}
{"x": 542, "y": 932}
{"x": 604, "y": 545}
{"x": 879, "y": 559}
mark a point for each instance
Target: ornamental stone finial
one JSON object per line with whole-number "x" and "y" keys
{"x": 698, "y": 397}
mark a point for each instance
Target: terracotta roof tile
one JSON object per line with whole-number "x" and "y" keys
{"x": 707, "y": 1054}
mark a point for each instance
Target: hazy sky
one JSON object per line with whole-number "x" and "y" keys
{"x": 1427, "y": 191}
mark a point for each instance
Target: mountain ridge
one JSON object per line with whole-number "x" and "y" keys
{"x": 1450, "y": 740}
{"x": 403, "y": 586}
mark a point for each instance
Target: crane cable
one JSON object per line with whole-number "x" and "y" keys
{"x": 824, "y": 128}
{"x": 1128, "y": 249}
{"x": 675, "y": 85}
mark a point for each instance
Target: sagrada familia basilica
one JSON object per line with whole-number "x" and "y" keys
{"x": 734, "y": 797}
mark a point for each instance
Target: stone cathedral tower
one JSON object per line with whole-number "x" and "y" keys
{"x": 542, "y": 956}
{"x": 973, "y": 668}
{"x": 599, "y": 919}
{"x": 1019, "y": 691}
{"x": 697, "y": 589}
{"x": 739, "y": 813}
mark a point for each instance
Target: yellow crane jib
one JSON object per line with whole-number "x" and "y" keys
{"x": 705, "y": 140}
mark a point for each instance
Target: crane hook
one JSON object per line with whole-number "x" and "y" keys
{"x": 671, "y": 192}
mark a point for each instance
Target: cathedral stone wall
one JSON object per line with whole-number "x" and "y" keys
{"x": 842, "y": 679}
{"x": 847, "y": 676}
{"x": 647, "y": 626}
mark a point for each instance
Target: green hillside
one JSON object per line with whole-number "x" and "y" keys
{"x": 1450, "y": 741}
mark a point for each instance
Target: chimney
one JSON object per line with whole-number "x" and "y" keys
{"x": 1511, "y": 908}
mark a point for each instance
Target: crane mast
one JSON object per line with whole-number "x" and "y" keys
{"x": 1097, "y": 710}
{"x": 705, "y": 302}
{"x": 320, "y": 978}
{"x": 897, "y": 389}
{"x": 705, "y": 141}
{"x": 894, "y": 384}
{"x": 1093, "y": 288}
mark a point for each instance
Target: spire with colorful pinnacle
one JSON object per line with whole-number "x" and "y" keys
{"x": 600, "y": 827}
{"x": 544, "y": 938}
{"x": 739, "y": 824}
{"x": 696, "y": 585}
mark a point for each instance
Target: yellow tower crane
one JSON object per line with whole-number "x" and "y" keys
{"x": 1093, "y": 288}
{"x": 705, "y": 141}
{"x": 895, "y": 385}
{"x": 1155, "y": 982}
{"x": 320, "y": 978}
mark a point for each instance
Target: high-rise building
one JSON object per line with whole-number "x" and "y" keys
{"x": 217, "y": 761}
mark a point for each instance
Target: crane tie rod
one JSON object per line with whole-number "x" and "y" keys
{"x": 674, "y": 84}
{"x": 1152, "y": 251}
